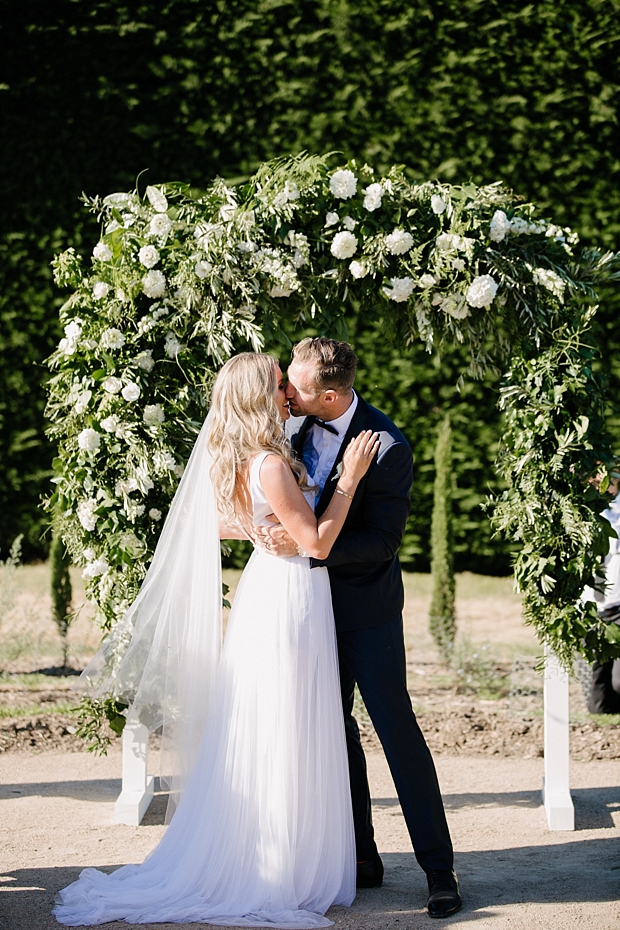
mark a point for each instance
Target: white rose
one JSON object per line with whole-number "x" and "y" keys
{"x": 86, "y": 514}
{"x": 349, "y": 223}
{"x": 73, "y": 329}
{"x": 343, "y": 184}
{"x": 438, "y": 204}
{"x": 160, "y": 225}
{"x": 153, "y": 415}
{"x": 100, "y": 290}
{"x": 374, "y": 193}
{"x": 481, "y": 291}
{"x": 96, "y": 568}
{"x": 202, "y": 269}
{"x": 110, "y": 424}
{"x": 499, "y": 226}
{"x": 82, "y": 402}
{"x": 111, "y": 384}
{"x": 148, "y": 256}
{"x": 155, "y": 514}
{"x": 131, "y": 392}
{"x": 154, "y": 284}
{"x": 89, "y": 440}
{"x": 427, "y": 280}
{"x": 157, "y": 199}
{"x": 399, "y": 242}
{"x": 112, "y": 339}
{"x": 344, "y": 245}
{"x": 331, "y": 219}
{"x": 145, "y": 360}
{"x": 358, "y": 269}
{"x": 400, "y": 289}
{"x": 102, "y": 252}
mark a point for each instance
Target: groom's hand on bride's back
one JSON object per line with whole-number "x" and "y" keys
{"x": 276, "y": 541}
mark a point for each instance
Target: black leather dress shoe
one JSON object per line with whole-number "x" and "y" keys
{"x": 370, "y": 874}
{"x": 443, "y": 893}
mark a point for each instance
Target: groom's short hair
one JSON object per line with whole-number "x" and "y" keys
{"x": 336, "y": 362}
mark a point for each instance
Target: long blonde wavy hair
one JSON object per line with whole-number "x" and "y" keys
{"x": 244, "y": 420}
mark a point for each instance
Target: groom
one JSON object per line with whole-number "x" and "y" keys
{"x": 368, "y": 596}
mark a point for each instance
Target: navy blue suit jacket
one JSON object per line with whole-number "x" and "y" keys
{"x": 364, "y": 571}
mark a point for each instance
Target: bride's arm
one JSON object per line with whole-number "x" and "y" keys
{"x": 292, "y": 509}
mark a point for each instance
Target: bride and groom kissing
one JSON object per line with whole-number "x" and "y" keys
{"x": 274, "y": 823}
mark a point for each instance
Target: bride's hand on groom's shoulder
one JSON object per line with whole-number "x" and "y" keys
{"x": 276, "y": 541}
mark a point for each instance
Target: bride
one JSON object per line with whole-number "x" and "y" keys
{"x": 262, "y": 834}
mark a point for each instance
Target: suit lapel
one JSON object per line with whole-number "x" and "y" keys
{"x": 356, "y": 426}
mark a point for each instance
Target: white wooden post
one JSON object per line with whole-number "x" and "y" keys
{"x": 138, "y": 786}
{"x": 556, "y": 789}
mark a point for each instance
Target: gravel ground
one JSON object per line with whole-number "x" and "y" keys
{"x": 56, "y": 818}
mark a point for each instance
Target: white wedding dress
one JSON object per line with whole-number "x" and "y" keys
{"x": 263, "y": 835}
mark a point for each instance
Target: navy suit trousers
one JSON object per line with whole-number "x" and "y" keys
{"x": 375, "y": 659}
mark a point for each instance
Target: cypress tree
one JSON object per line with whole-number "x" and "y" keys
{"x": 61, "y": 591}
{"x": 442, "y": 618}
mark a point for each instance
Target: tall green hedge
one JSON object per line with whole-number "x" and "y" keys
{"x": 92, "y": 93}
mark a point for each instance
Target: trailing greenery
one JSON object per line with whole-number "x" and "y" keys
{"x": 60, "y": 589}
{"x": 94, "y": 93}
{"x": 442, "y": 616}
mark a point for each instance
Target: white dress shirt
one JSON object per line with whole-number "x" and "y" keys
{"x": 327, "y": 444}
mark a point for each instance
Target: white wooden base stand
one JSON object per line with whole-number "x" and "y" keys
{"x": 556, "y": 789}
{"x": 138, "y": 786}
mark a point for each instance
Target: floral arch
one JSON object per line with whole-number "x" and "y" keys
{"x": 180, "y": 280}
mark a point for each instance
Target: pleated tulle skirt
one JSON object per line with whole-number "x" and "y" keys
{"x": 263, "y": 835}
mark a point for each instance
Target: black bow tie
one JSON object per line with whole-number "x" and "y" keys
{"x": 323, "y": 425}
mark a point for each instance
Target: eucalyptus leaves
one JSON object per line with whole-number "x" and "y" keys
{"x": 178, "y": 282}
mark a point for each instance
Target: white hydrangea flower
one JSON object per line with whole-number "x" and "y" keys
{"x": 154, "y": 284}
{"x": 172, "y": 345}
{"x": 111, "y": 384}
{"x": 83, "y": 401}
{"x": 202, "y": 269}
{"x": 331, "y": 219}
{"x": 148, "y": 256}
{"x": 349, "y": 223}
{"x": 499, "y": 226}
{"x": 279, "y": 291}
{"x": 344, "y": 245}
{"x": 112, "y": 339}
{"x": 145, "y": 360}
{"x": 86, "y": 514}
{"x": 110, "y": 424}
{"x": 343, "y": 184}
{"x": 131, "y": 392}
{"x": 100, "y": 290}
{"x": 458, "y": 264}
{"x": 400, "y": 289}
{"x": 550, "y": 280}
{"x": 160, "y": 225}
{"x": 481, "y": 292}
{"x": 358, "y": 269}
{"x": 89, "y": 440}
{"x": 155, "y": 514}
{"x": 153, "y": 415}
{"x": 427, "y": 280}
{"x": 373, "y": 195}
{"x": 96, "y": 568}
{"x": 157, "y": 199}
{"x": 102, "y": 252}
{"x": 438, "y": 204}
{"x": 399, "y": 242}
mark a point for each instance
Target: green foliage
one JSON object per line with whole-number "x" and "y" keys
{"x": 95, "y": 93}
{"x": 442, "y": 616}
{"x": 60, "y": 589}
{"x": 96, "y": 719}
{"x": 477, "y": 670}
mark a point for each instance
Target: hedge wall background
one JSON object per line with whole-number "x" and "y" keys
{"x": 93, "y": 93}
